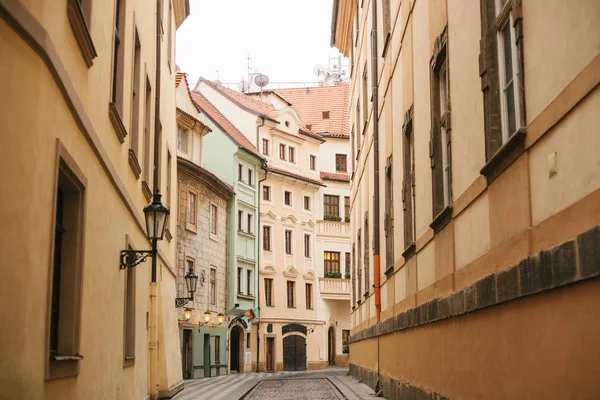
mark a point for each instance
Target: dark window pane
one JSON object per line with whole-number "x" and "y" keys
{"x": 510, "y": 108}
{"x": 507, "y": 53}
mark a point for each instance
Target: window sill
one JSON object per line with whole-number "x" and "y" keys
{"x": 247, "y": 234}
{"x": 386, "y": 44}
{"x": 191, "y": 228}
{"x": 245, "y": 296}
{"x": 442, "y": 219}
{"x": 128, "y": 361}
{"x": 81, "y": 32}
{"x": 505, "y": 156}
{"x": 117, "y": 122}
{"x": 134, "y": 164}
{"x": 168, "y": 235}
{"x": 213, "y": 237}
{"x": 389, "y": 270}
{"x": 63, "y": 366}
{"x": 146, "y": 190}
{"x": 409, "y": 250}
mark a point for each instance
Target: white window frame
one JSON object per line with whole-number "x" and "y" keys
{"x": 316, "y": 162}
{"x": 213, "y": 236}
{"x": 506, "y": 15}
{"x": 186, "y": 135}
{"x": 291, "y": 242}
{"x": 443, "y": 82}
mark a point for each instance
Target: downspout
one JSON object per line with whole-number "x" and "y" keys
{"x": 258, "y": 235}
{"x": 376, "y": 236}
{"x": 153, "y": 285}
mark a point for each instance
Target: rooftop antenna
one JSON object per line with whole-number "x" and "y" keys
{"x": 218, "y": 80}
{"x": 248, "y": 59}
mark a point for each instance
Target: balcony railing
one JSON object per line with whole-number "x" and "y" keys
{"x": 334, "y": 288}
{"x": 333, "y": 228}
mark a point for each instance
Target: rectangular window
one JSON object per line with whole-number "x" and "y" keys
{"x": 387, "y": 25}
{"x": 367, "y": 255}
{"x": 250, "y": 177}
{"x": 341, "y": 163}
{"x": 65, "y": 301}
{"x": 282, "y": 151}
{"x": 248, "y": 340}
{"x": 147, "y": 125}
{"x": 249, "y": 282}
{"x": 307, "y": 246}
{"x": 213, "y": 219}
{"x": 291, "y": 303}
{"x": 240, "y": 281}
{"x": 309, "y": 304}
{"x": 118, "y": 56}
{"x": 331, "y": 207}
{"x": 269, "y": 292}
{"x": 168, "y": 188}
{"x": 190, "y": 264}
{"x": 347, "y": 266}
{"x": 388, "y": 223}
{"x": 408, "y": 191}
{"x": 501, "y": 62}
{"x": 359, "y": 129}
{"x": 240, "y": 219}
{"x": 325, "y": 114}
{"x": 353, "y": 276}
{"x": 347, "y": 208}
{"x": 292, "y": 155}
{"x": 249, "y": 217}
{"x": 332, "y": 264}
{"x": 192, "y": 208}
{"x": 182, "y": 135}
{"x": 267, "y": 238}
{"x": 136, "y": 94}
{"x": 365, "y": 98}
{"x": 170, "y": 37}
{"x": 265, "y": 147}
{"x": 240, "y": 173}
{"x": 358, "y": 264}
{"x": 287, "y": 198}
{"x": 313, "y": 163}
{"x": 288, "y": 242}
{"x": 266, "y": 193}
{"x": 213, "y": 286}
{"x": 307, "y": 203}
{"x": 440, "y": 151}
{"x": 129, "y": 315}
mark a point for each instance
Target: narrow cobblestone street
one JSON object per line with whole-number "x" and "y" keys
{"x": 332, "y": 383}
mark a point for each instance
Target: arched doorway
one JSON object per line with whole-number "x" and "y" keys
{"x": 236, "y": 338}
{"x": 331, "y": 345}
{"x": 294, "y": 353}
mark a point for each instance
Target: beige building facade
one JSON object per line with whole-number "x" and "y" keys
{"x": 475, "y": 192}
{"x": 303, "y": 315}
{"x": 80, "y": 81}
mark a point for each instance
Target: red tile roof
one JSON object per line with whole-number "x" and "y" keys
{"x": 248, "y": 103}
{"x": 311, "y": 102}
{"x": 215, "y": 116}
{"x": 331, "y": 176}
{"x": 293, "y": 175}
{"x": 180, "y": 76}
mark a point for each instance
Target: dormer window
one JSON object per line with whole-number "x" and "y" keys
{"x": 325, "y": 114}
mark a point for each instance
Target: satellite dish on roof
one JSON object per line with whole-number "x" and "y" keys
{"x": 243, "y": 86}
{"x": 261, "y": 80}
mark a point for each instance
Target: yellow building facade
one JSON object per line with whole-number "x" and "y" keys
{"x": 88, "y": 133}
{"x": 475, "y": 192}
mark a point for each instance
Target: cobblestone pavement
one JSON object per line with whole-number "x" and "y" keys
{"x": 306, "y": 384}
{"x": 295, "y": 389}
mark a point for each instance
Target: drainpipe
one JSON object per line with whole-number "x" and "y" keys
{"x": 376, "y": 236}
{"x": 258, "y": 235}
{"x": 153, "y": 285}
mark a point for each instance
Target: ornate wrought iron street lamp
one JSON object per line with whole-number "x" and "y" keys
{"x": 157, "y": 217}
{"x": 191, "y": 280}
{"x": 187, "y": 314}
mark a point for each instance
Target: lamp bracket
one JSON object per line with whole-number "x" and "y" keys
{"x": 182, "y": 301}
{"x": 131, "y": 258}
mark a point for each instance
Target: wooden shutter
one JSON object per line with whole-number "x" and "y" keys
{"x": 488, "y": 71}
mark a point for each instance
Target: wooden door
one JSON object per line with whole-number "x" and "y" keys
{"x": 331, "y": 346}
{"x": 188, "y": 354}
{"x": 234, "y": 350}
{"x": 270, "y": 346}
{"x": 294, "y": 353}
{"x": 206, "y": 355}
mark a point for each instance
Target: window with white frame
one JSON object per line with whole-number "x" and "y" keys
{"x": 508, "y": 69}
{"x": 182, "y": 139}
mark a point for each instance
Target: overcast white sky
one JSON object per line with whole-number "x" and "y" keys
{"x": 285, "y": 39}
